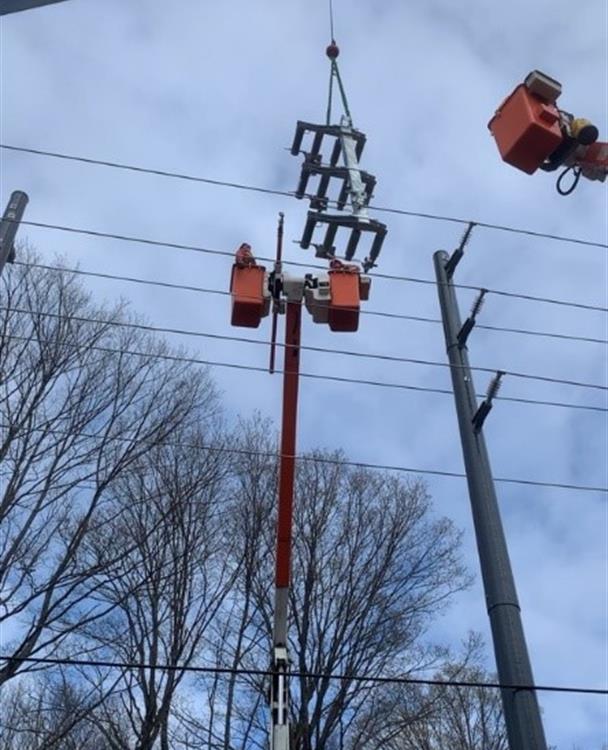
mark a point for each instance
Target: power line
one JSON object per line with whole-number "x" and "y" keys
{"x": 343, "y": 677}
{"x": 319, "y": 349}
{"x": 342, "y": 462}
{"x": 223, "y": 292}
{"x": 498, "y": 292}
{"x": 542, "y": 334}
{"x": 229, "y": 254}
{"x": 332, "y": 378}
{"x": 146, "y": 170}
{"x": 291, "y": 194}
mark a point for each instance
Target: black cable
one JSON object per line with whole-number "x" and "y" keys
{"x": 291, "y": 194}
{"x": 345, "y": 462}
{"x": 145, "y": 170}
{"x": 225, "y": 253}
{"x": 319, "y": 349}
{"x": 576, "y": 172}
{"x": 332, "y": 378}
{"x": 382, "y": 680}
{"x": 498, "y": 292}
{"x": 542, "y": 334}
{"x": 399, "y": 316}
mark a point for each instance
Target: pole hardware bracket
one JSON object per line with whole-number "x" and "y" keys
{"x": 486, "y": 405}
{"x": 456, "y": 256}
{"x": 469, "y": 323}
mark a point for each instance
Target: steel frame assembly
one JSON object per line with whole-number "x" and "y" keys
{"x": 355, "y": 187}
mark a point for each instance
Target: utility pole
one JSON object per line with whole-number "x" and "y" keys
{"x": 16, "y": 6}
{"x": 521, "y": 710}
{"x": 9, "y": 224}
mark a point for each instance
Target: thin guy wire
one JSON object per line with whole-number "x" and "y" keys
{"x": 319, "y": 349}
{"x": 331, "y": 66}
{"x": 345, "y": 462}
{"x": 291, "y": 194}
{"x": 293, "y": 673}
{"x": 223, "y": 292}
{"x": 331, "y": 378}
{"x": 229, "y": 254}
{"x": 329, "y": 96}
{"x": 345, "y": 105}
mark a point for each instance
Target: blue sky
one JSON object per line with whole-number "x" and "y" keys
{"x": 215, "y": 89}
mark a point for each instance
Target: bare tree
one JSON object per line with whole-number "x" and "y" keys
{"x": 50, "y": 711}
{"x": 235, "y": 703}
{"x": 123, "y": 536}
{"x": 464, "y": 718}
{"x": 440, "y": 717}
{"x": 170, "y": 582}
{"x": 371, "y": 569}
{"x": 78, "y": 411}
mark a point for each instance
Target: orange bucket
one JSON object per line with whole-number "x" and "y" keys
{"x": 249, "y": 304}
{"x": 343, "y": 313}
{"x": 526, "y": 130}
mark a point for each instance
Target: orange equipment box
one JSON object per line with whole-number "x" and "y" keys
{"x": 343, "y": 313}
{"x": 250, "y": 303}
{"x": 526, "y": 129}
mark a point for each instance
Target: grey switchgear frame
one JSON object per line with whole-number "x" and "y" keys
{"x": 355, "y": 186}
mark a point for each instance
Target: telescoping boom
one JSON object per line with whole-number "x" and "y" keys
{"x": 331, "y": 166}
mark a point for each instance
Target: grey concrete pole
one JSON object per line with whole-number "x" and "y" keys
{"x": 521, "y": 710}
{"x": 9, "y": 225}
{"x": 16, "y": 6}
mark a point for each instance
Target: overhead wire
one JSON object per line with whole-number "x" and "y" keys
{"x": 377, "y": 275}
{"x": 319, "y": 349}
{"x": 292, "y": 194}
{"x": 330, "y": 378}
{"x": 302, "y": 457}
{"x": 230, "y": 254}
{"x": 380, "y": 679}
{"x": 226, "y": 293}
{"x": 336, "y": 676}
